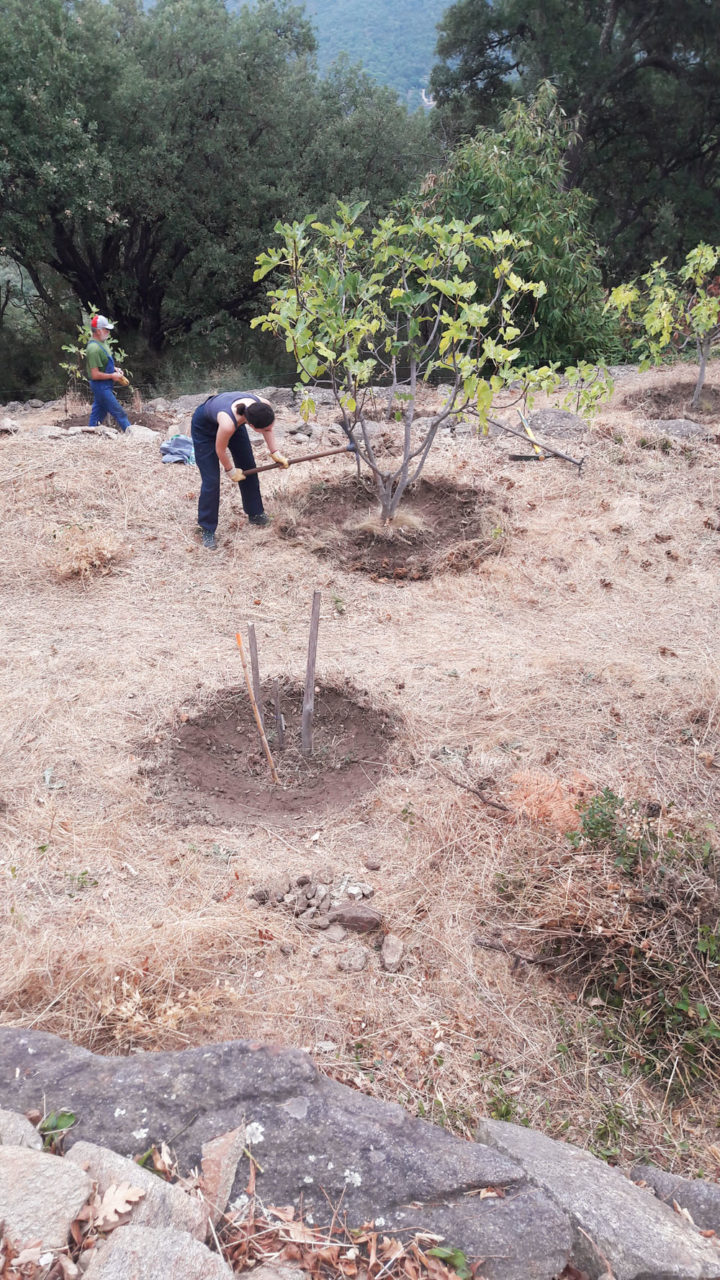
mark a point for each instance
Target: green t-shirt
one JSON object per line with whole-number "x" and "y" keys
{"x": 97, "y": 356}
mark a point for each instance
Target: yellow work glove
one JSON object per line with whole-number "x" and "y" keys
{"x": 280, "y": 458}
{"x": 122, "y": 381}
{"x": 236, "y": 475}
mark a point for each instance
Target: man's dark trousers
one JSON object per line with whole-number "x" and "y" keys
{"x": 203, "y": 436}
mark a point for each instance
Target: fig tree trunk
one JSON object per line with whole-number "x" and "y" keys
{"x": 703, "y": 353}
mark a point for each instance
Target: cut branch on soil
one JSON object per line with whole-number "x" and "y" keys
{"x": 308, "y": 710}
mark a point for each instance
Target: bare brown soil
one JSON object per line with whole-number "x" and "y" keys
{"x": 441, "y": 527}
{"x": 672, "y": 400}
{"x": 143, "y": 418}
{"x": 583, "y": 657}
{"x": 214, "y": 768}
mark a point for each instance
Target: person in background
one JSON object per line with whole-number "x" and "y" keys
{"x": 103, "y": 375}
{"x": 220, "y": 439}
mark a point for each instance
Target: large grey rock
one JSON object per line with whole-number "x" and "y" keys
{"x": 392, "y": 953}
{"x": 46, "y": 431}
{"x": 614, "y": 1221}
{"x": 40, "y": 1196}
{"x": 557, "y": 423}
{"x": 17, "y": 1131}
{"x": 140, "y": 434}
{"x": 678, "y": 428}
{"x": 356, "y": 916}
{"x": 317, "y": 1141}
{"x": 8, "y": 426}
{"x": 279, "y": 396}
{"x": 147, "y": 1253}
{"x": 700, "y": 1198}
{"x": 321, "y": 395}
{"x": 187, "y": 404}
{"x": 163, "y": 1205}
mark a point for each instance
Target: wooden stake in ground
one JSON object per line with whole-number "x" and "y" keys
{"x": 309, "y": 700}
{"x": 256, "y": 713}
{"x": 255, "y": 666}
{"x": 279, "y": 722}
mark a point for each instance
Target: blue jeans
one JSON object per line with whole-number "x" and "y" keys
{"x": 203, "y": 438}
{"x": 106, "y": 402}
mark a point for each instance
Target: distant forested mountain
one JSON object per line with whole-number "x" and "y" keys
{"x": 393, "y": 39}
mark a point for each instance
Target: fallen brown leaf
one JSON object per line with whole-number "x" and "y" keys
{"x": 390, "y": 1249}
{"x": 116, "y": 1202}
{"x": 285, "y": 1213}
{"x": 297, "y": 1231}
{"x": 684, "y": 1213}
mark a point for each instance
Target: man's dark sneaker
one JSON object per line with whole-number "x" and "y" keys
{"x": 261, "y": 520}
{"x": 209, "y": 540}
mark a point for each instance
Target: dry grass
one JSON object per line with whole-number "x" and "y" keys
{"x": 405, "y": 522}
{"x": 85, "y": 553}
{"x": 584, "y": 655}
{"x": 627, "y": 912}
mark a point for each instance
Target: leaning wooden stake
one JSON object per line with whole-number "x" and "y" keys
{"x": 309, "y": 699}
{"x": 279, "y": 721}
{"x": 256, "y": 713}
{"x": 255, "y": 667}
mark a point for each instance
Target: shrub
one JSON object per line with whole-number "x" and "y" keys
{"x": 639, "y": 930}
{"x": 513, "y": 178}
{"x": 671, "y": 312}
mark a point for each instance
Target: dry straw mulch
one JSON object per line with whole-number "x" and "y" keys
{"x": 584, "y": 655}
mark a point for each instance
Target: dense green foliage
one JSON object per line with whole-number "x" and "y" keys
{"x": 145, "y": 156}
{"x": 644, "y": 938}
{"x": 672, "y": 313}
{"x": 392, "y": 39}
{"x": 642, "y": 80}
{"x": 401, "y": 302}
{"x": 512, "y": 176}
{"x": 147, "y": 153}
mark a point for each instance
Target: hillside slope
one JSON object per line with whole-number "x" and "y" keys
{"x": 393, "y": 39}
{"x": 581, "y": 656}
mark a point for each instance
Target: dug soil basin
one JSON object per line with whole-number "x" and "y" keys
{"x": 143, "y": 418}
{"x": 212, "y": 768}
{"x": 673, "y": 401}
{"x": 440, "y": 528}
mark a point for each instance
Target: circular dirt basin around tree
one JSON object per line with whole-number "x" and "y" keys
{"x": 440, "y": 528}
{"x": 143, "y": 418}
{"x": 213, "y": 769}
{"x": 673, "y": 401}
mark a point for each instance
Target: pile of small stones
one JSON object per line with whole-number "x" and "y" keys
{"x": 315, "y": 901}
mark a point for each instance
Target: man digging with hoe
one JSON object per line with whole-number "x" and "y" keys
{"x": 220, "y": 439}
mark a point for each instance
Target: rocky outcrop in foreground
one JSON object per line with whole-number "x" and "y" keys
{"x": 525, "y": 1205}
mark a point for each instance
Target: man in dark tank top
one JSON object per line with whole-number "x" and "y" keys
{"x": 220, "y": 439}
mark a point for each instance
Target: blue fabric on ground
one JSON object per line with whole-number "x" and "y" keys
{"x": 178, "y": 449}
